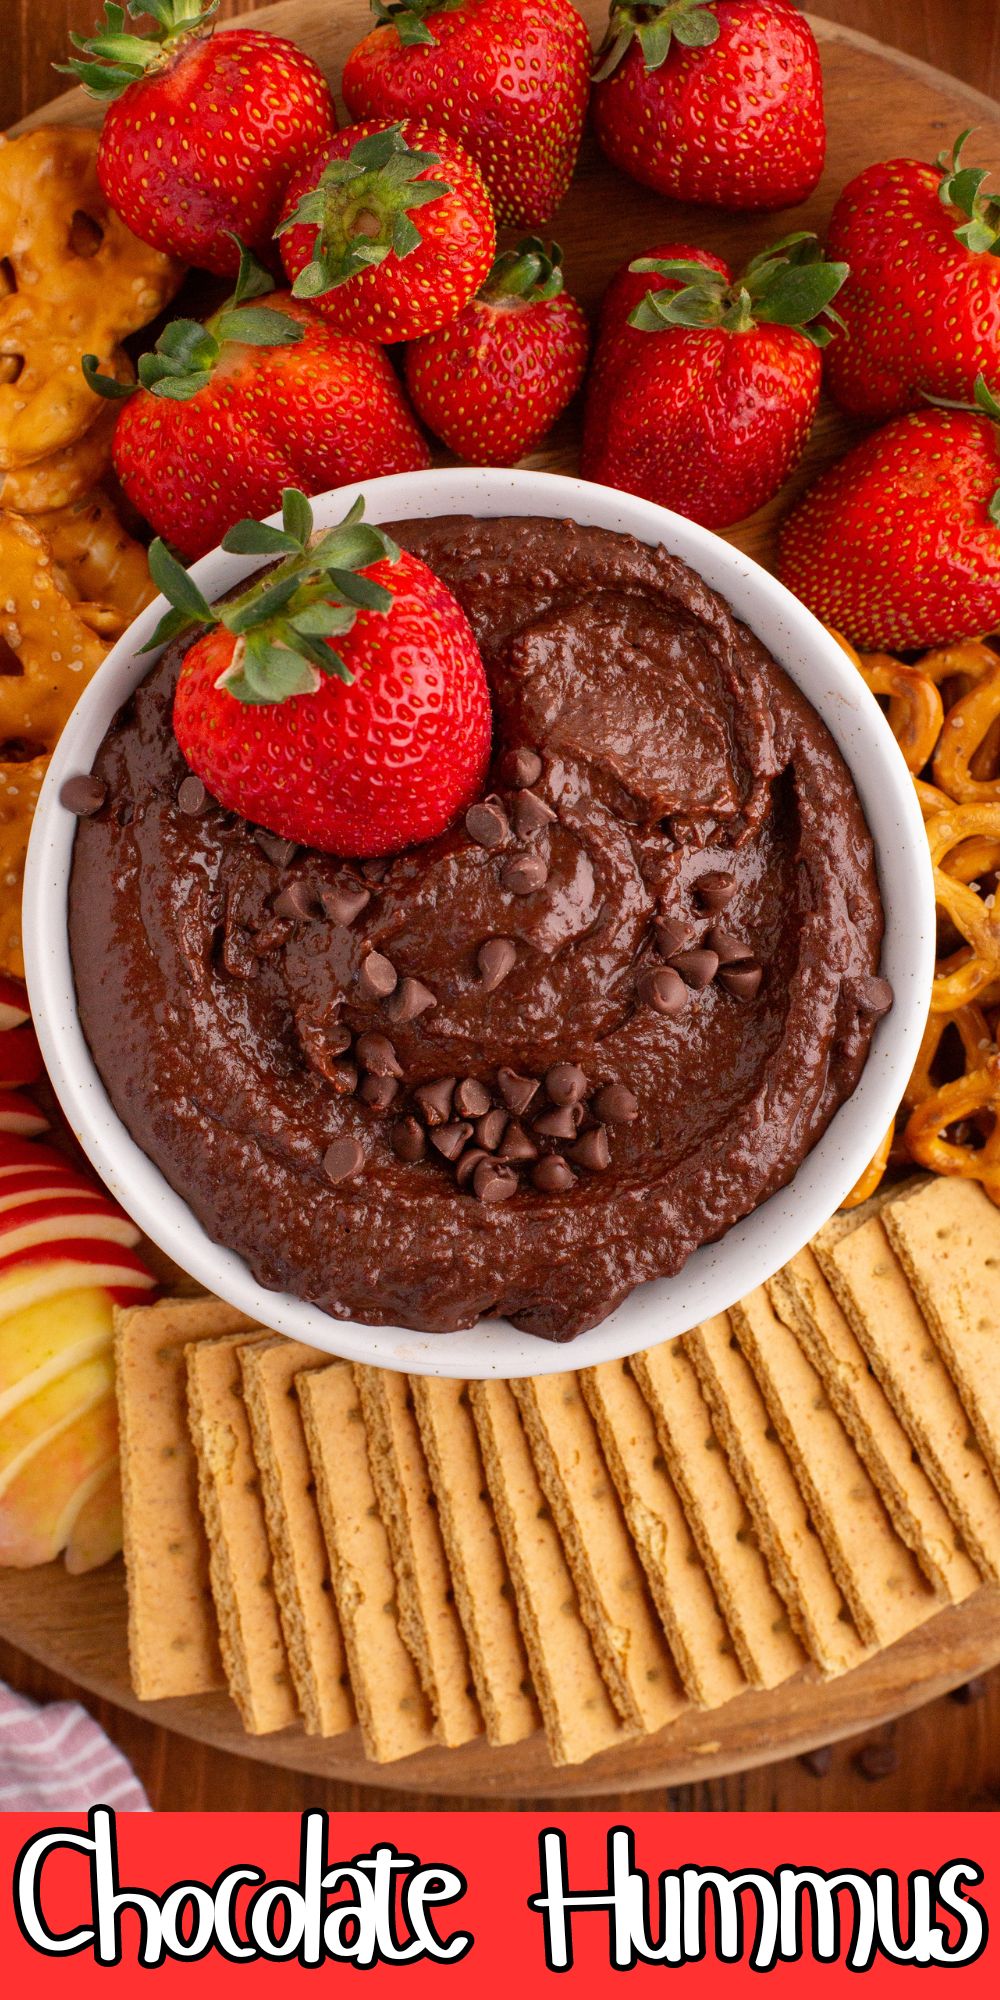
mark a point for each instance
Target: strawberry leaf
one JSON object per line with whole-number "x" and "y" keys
{"x": 252, "y": 612}
{"x": 258, "y": 538}
{"x": 654, "y": 28}
{"x": 324, "y": 621}
{"x": 253, "y": 279}
{"x": 993, "y": 509}
{"x": 257, "y": 326}
{"x": 296, "y": 515}
{"x": 274, "y": 672}
{"x": 117, "y": 57}
{"x": 173, "y": 580}
{"x": 361, "y": 590}
{"x": 107, "y": 386}
{"x": 799, "y": 293}
{"x": 696, "y": 30}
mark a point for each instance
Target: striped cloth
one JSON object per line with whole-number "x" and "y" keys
{"x": 58, "y": 1759}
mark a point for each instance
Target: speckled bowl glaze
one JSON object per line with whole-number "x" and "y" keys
{"x": 719, "y": 1273}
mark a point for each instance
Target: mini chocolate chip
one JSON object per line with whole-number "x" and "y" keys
{"x": 192, "y": 796}
{"x": 408, "y": 1140}
{"x": 592, "y": 1151}
{"x": 970, "y": 1691}
{"x": 697, "y": 968}
{"x": 468, "y": 1163}
{"x": 495, "y": 959}
{"x": 490, "y": 1129}
{"x": 663, "y": 989}
{"x": 344, "y": 1078}
{"x": 716, "y": 889}
{"x": 343, "y": 905}
{"x": 378, "y": 976}
{"x": 553, "y": 1176}
{"x": 450, "y": 1139}
{"x": 565, "y": 1083}
{"x": 876, "y": 1760}
{"x": 818, "y": 1762}
{"x": 379, "y": 1091}
{"x": 870, "y": 994}
{"x": 376, "y": 869}
{"x": 725, "y": 946}
{"x": 493, "y": 1182}
{"x": 516, "y": 1144}
{"x": 521, "y": 767}
{"x": 559, "y": 1124}
{"x": 524, "y": 875}
{"x": 743, "y": 979}
{"x": 517, "y": 1091}
{"x": 337, "y": 1038}
{"x": 487, "y": 824}
{"x": 343, "y": 1159}
{"x": 530, "y": 814}
{"x": 83, "y": 796}
{"x": 277, "y": 849}
{"x": 673, "y": 934}
{"x": 376, "y": 1054}
{"x": 472, "y": 1098}
{"x": 435, "y": 1098}
{"x": 616, "y": 1104}
{"x": 410, "y": 999}
{"x": 297, "y": 903}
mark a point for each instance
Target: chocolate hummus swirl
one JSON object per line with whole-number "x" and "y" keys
{"x": 531, "y": 1065}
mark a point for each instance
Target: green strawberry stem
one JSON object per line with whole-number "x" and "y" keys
{"x": 689, "y": 22}
{"x": 284, "y": 622}
{"x": 984, "y": 404}
{"x": 961, "y": 188}
{"x": 116, "y": 56}
{"x": 408, "y": 17}
{"x": 790, "y": 284}
{"x": 185, "y": 356}
{"x": 531, "y": 274}
{"x": 362, "y": 208}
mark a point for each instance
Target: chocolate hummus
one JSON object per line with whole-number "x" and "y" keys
{"x": 536, "y": 1062}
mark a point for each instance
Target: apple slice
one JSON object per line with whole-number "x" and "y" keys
{"x": 46, "y": 1340}
{"x": 45, "y": 1270}
{"x": 14, "y": 1010}
{"x": 20, "y": 1058}
{"x": 96, "y": 1534}
{"x": 48, "y": 1185}
{"x": 52, "y": 1226}
{"x": 26, "y": 1155}
{"x": 32, "y": 1424}
{"x": 19, "y": 1115}
{"x": 40, "y": 1507}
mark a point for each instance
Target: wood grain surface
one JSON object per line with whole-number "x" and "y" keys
{"x": 947, "y": 1754}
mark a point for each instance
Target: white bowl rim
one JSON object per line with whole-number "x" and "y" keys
{"x": 717, "y": 1274}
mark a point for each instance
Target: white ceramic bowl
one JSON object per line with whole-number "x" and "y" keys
{"x": 717, "y": 1274}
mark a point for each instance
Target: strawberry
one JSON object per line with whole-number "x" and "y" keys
{"x": 227, "y": 414}
{"x": 717, "y": 101}
{"x": 339, "y": 699}
{"x": 494, "y": 380}
{"x": 509, "y": 78}
{"x": 202, "y": 131}
{"x": 703, "y": 399}
{"x": 350, "y": 244}
{"x": 921, "y": 308}
{"x": 898, "y": 544}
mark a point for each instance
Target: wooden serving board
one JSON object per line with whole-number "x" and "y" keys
{"x": 880, "y": 103}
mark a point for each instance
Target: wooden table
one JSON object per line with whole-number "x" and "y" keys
{"x": 948, "y": 1754}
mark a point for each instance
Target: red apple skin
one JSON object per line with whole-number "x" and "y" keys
{"x": 14, "y": 1009}
{"x": 40, "y": 1225}
{"x": 20, "y": 1057}
{"x": 20, "y": 1116}
{"x": 20, "y": 1186}
{"x": 28, "y": 1153}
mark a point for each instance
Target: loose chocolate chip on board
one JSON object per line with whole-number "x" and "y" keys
{"x": 725, "y": 946}
{"x": 517, "y": 1091}
{"x": 743, "y": 979}
{"x": 697, "y": 968}
{"x": 83, "y": 796}
{"x": 379, "y": 1091}
{"x": 340, "y": 905}
{"x": 410, "y": 999}
{"x": 408, "y": 1140}
{"x": 521, "y": 767}
{"x": 673, "y": 934}
{"x": 451, "y": 1139}
{"x": 716, "y": 889}
{"x": 553, "y": 1176}
{"x": 277, "y": 849}
{"x": 969, "y": 1692}
{"x": 378, "y": 976}
{"x": 592, "y": 1151}
{"x": 530, "y": 814}
{"x": 376, "y": 869}
{"x": 565, "y": 1083}
{"x": 472, "y": 1098}
{"x": 487, "y": 823}
{"x": 870, "y": 994}
{"x": 343, "y": 1159}
{"x": 434, "y": 1099}
{"x": 297, "y": 903}
{"x": 493, "y": 1182}
{"x": 616, "y": 1104}
{"x": 525, "y": 874}
{"x": 561, "y": 1123}
{"x": 376, "y": 1054}
{"x": 876, "y": 1760}
{"x": 818, "y": 1762}
{"x": 468, "y": 1163}
{"x": 516, "y": 1144}
{"x": 664, "y": 990}
{"x": 495, "y": 959}
{"x": 192, "y": 796}
{"x": 490, "y": 1129}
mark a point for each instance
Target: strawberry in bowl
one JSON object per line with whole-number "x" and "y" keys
{"x": 226, "y": 414}
{"x": 202, "y": 130}
{"x": 388, "y": 230}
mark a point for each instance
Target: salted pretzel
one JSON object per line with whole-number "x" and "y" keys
{"x": 965, "y": 974}
{"x": 98, "y": 564}
{"x": 969, "y": 1098}
{"x": 916, "y": 711}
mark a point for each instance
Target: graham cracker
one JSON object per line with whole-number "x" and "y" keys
{"x": 627, "y": 1637}
{"x": 948, "y": 1242}
{"x": 760, "y": 1465}
{"x": 678, "y": 1580}
{"x": 172, "y": 1642}
{"x": 871, "y": 1286}
{"x": 480, "y": 1578}
{"x": 313, "y": 1639}
{"x": 578, "y": 1714}
{"x": 881, "y": 1583}
{"x": 239, "y": 1555}
{"x": 766, "y": 1647}
{"x": 393, "y": 1711}
{"x": 802, "y": 1297}
{"x": 425, "y": 1603}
